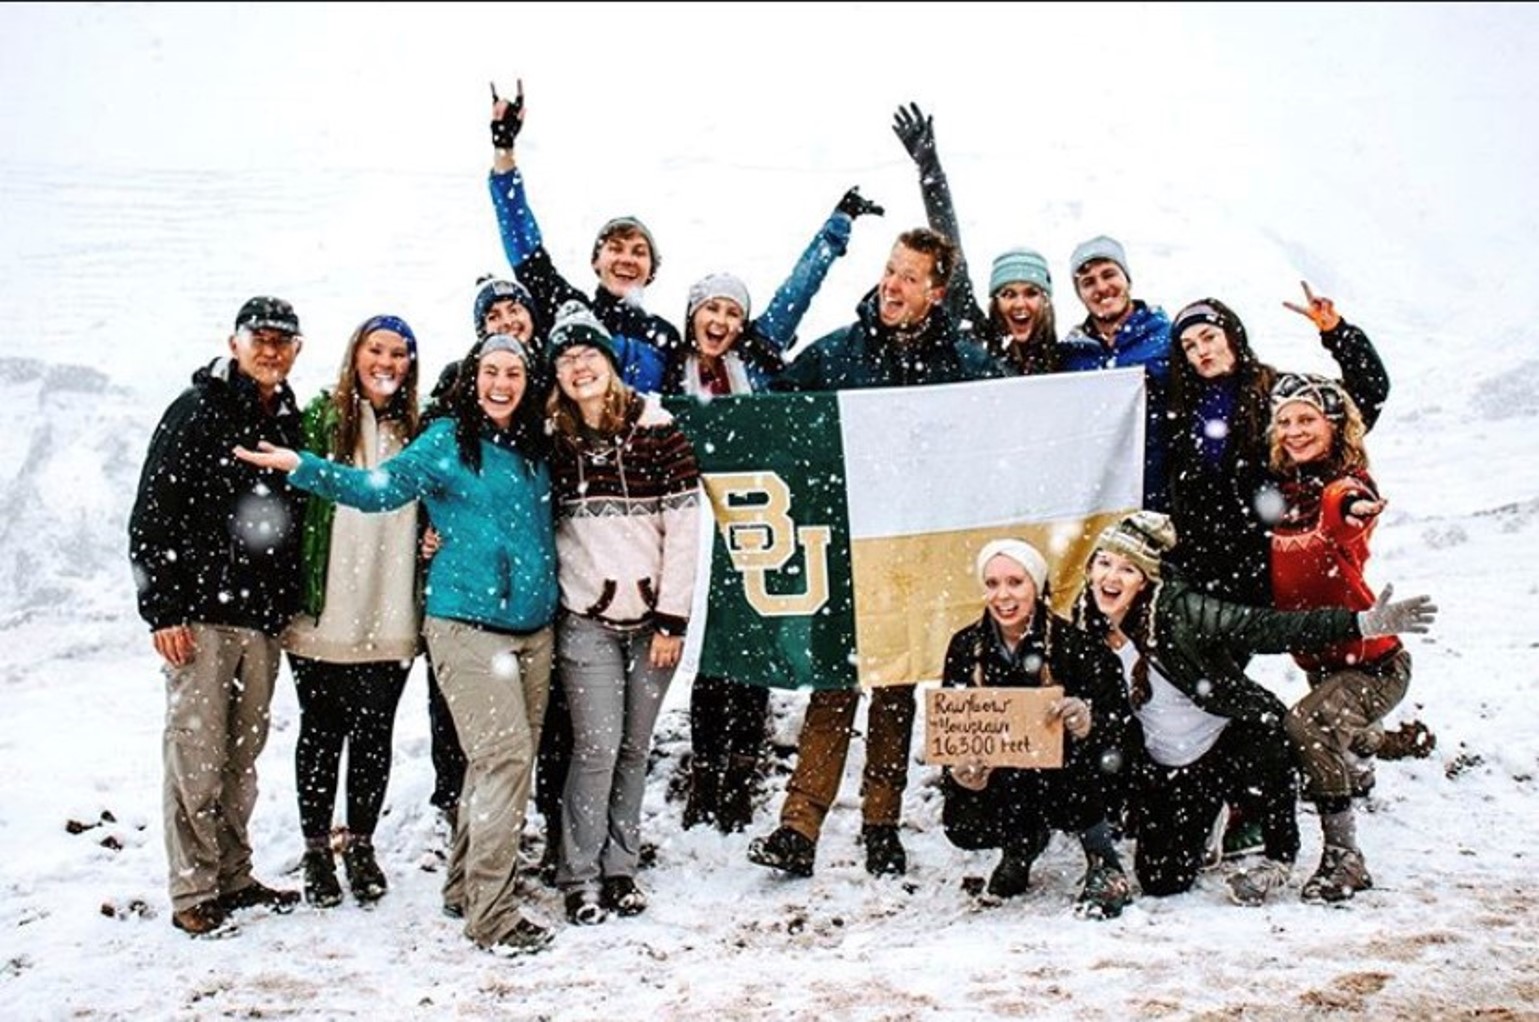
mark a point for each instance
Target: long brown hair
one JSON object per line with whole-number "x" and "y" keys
{"x": 346, "y": 397}
{"x": 622, "y": 406}
{"x": 1039, "y": 352}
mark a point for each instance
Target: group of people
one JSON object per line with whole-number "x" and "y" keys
{"x": 535, "y": 527}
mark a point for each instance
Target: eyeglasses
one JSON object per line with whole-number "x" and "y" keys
{"x": 578, "y": 357}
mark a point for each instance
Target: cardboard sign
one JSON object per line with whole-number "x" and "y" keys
{"x": 999, "y": 727}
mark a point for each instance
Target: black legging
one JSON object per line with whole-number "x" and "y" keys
{"x": 1019, "y": 806}
{"x": 448, "y": 757}
{"x": 352, "y": 704}
{"x": 726, "y": 720}
{"x": 1176, "y": 806}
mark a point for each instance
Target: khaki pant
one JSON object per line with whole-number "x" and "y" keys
{"x": 216, "y": 725}
{"x": 824, "y": 746}
{"x": 1332, "y": 723}
{"x": 496, "y": 686}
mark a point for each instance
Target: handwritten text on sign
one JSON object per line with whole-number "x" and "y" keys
{"x": 1002, "y": 727}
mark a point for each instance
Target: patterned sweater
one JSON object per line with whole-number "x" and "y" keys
{"x": 627, "y": 511}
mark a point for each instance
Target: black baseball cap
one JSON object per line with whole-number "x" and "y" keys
{"x": 267, "y": 313}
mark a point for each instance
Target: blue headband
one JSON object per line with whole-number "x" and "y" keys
{"x": 392, "y": 323}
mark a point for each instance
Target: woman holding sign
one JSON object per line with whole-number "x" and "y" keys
{"x": 1018, "y": 643}
{"x": 1208, "y": 731}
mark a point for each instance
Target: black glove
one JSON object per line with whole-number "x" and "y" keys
{"x": 505, "y": 129}
{"x": 916, "y": 132}
{"x": 855, "y": 204}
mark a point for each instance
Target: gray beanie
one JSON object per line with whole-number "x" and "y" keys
{"x": 717, "y": 285}
{"x": 1099, "y": 247}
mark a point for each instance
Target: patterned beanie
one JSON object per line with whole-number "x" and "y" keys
{"x": 493, "y": 291}
{"x": 717, "y": 285}
{"x": 576, "y": 326}
{"x": 1324, "y": 393}
{"x": 1020, "y": 264}
{"x": 1019, "y": 551}
{"x": 1142, "y": 537}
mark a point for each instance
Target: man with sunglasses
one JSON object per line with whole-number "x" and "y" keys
{"x": 214, "y": 543}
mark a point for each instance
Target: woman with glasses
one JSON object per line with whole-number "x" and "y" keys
{"x": 626, "y": 490}
{"x": 1319, "y": 551}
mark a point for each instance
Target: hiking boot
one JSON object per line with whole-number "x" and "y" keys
{"x": 364, "y": 876}
{"x": 525, "y": 938}
{"x": 786, "y": 850}
{"x": 1411, "y": 740}
{"x": 583, "y": 908}
{"x": 205, "y": 919}
{"x": 321, "y": 887}
{"x": 704, "y": 795}
{"x": 453, "y": 910}
{"x": 1342, "y": 874}
{"x": 258, "y": 895}
{"x": 1106, "y": 891}
{"x": 550, "y": 858}
{"x": 1012, "y": 877}
{"x": 1254, "y": 885}
{"x": 622, "y": 897}
{"x": 884, "y": 852}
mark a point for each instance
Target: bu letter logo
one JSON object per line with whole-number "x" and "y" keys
{"x": 753, "y": 513}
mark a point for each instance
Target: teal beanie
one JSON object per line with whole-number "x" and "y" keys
{"x": 1020, "y": 264}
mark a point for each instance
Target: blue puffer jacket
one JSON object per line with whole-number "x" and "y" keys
{"x": 497, "y": 566}
{"x": 641, "y": 339}
{"x": 1144, "y": 340}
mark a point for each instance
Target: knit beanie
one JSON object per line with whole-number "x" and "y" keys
{"x": 1099, "y": 247}
{"x": 1020, "y": 264}
{"x": 627, "y": 224}
{"x": 493, "y": 291}
{"x": 1019, "y": 551}
{"x": 504, "y": 342}
{"x": 575, "y": 325}
{"x": 1324, "y": 393}
{"x": 717, "y": 285}
{"x": 1142, "y": 537}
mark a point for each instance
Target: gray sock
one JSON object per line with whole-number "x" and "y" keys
{"x": 1340, "y": 828}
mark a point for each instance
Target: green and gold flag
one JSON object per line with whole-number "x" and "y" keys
{"x": 847, "y": 523}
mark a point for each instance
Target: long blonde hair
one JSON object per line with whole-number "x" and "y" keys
{"x": 622, "y": 406}
{"x": 1348, "y": 454}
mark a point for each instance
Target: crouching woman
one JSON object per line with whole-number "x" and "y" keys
{"x": 491, "y": 596}
{"x": 1018, "y": 642}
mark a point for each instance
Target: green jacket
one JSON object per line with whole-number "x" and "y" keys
{"x": 1201, "y": 643}
{"x": 316, "y": 429}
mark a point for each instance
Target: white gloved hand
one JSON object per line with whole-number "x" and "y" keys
{"x": 1414, "y": 615}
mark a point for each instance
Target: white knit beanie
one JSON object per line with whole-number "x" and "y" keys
{"x": 1019, "y": 551}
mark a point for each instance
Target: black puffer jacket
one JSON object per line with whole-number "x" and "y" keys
{"x": 213, "y": 539}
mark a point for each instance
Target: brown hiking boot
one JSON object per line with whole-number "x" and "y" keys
{"x": 1341, "y": 875}
{"x": 258, "y": 895}
{"x": 205, "y": 919}
{"x": 1411, "y": 740}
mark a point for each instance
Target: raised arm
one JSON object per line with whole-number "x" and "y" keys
{"x": 778, "y": 322}
{"x": 397, "y": 482}
{"x": 1362, "y": 371}
{"x": 917, "y": 133}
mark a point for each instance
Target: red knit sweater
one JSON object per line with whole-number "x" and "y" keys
{"x": 1318, "y": 559}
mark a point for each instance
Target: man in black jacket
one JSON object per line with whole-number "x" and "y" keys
{"x": 214, "y": 543}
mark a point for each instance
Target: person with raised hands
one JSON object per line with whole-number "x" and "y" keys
{"x": 625, "y": 260}
{"x": 481, "y": 471}
{"x": 1020, "y": 325}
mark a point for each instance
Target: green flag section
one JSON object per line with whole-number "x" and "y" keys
{"x": 847, "y": 524}
{"x": 780, "y": 609}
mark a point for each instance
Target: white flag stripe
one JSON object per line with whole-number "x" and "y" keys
{"x": 974, "y": 455}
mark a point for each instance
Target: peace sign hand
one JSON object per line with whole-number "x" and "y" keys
{"x": 1320, "y": 311}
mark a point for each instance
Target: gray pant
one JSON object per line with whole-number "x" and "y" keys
{"x": 216, "y": 725}
{"x": 496, "y": 686}
{"x": 614, "y": 695}
{"x": 1336, "y": 721}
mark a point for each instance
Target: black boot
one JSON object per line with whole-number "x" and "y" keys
{"x": 786, "y": 850}
{"x": 884, "y": 852}
{"x": 1012, "y": 877}
{"x": 364, "y": 876}
{"x": 702, "y": 805}
{"x": 734, "y": 804}
{"x": 321, "y": 887}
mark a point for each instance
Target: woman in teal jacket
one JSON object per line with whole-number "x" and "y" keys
{"x": 491, "y": 597}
